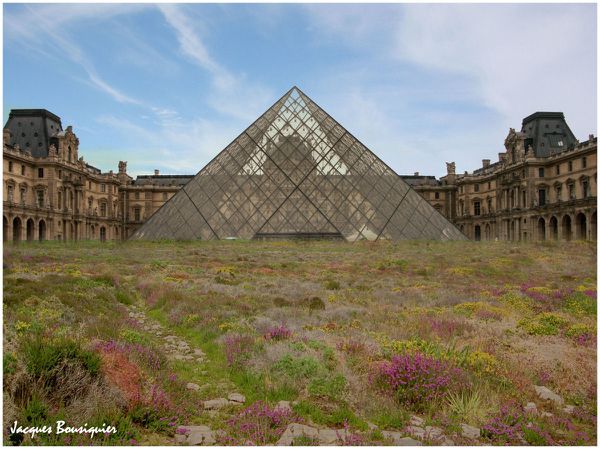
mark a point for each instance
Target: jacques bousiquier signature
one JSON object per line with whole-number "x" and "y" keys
{"x": 61, "y": 427}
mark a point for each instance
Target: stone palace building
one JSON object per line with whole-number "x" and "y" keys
{"x": 542, "y": 187}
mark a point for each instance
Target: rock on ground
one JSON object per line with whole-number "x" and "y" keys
{"x": 470, "y": 432}
{"x": 237, "y": 397}
{"x": 194, "y": 435}
{"x": 548, "y": 395}
{"x": 399, "y": 440}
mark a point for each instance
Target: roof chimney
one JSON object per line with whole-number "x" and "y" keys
{"x": 591, "y": 137}
{"x": 416, "y": 173}
{"x": 485, "y": 162}
{"x": 156, "y": 172}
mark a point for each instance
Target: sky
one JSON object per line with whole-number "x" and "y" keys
{"x": 169, "y": 86}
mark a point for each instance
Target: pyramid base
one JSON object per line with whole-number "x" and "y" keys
{"x": 298, "y": 236}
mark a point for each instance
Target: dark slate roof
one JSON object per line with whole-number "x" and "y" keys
{"x": 548, "y": 133}
{"x": 420, "y": 180}
{"x": 162, "y": 180}
{"x": 32, "y": 129}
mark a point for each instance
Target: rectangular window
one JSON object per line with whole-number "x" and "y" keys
{"x": 541, "y": 172}
{"x": 570, "y": 165}
{"x": 10, "y": 193}
{"x": 584, "y": 184}
{"x": 489, "y": 185}
{"x": 103, "y": 209}
{"x": 477, "y": 207}
{"x": 40, "y": 172}
{"x": 137, "y": 195}
{"x": 558, "y": 169}
{"x": 90, "y": 185}
{"x": 136, "y": 214}
{"x": 489, "y": 204}
{"x": 40, "y": 198}
{"x": 103, "y": 188}
{"x": 10, "y": 166}
{"x": 524, "y": 198}
{"x": 583, "y": 162}
{"x": 558, "y": 193}
{"x": 542, "y": 197}
{"x": 59, "y": 200}
{"x": 22, "y": 170}
{"x": 476, "y": 187}
{"x": 571, "y": 191}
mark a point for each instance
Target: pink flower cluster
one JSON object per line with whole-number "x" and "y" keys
{"x": 258, "y": 424}
{"x": 506, "y": 425}
{"x": 416, "y": 379}
{"x": 280, "y": 332}
{"x": 237, "y": 348}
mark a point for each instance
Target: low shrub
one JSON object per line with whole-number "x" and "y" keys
{"x": 280, "y": 332}
{"x": 506, "y": 426}
{"x": 258, "y": 424}
{"x": 297, "y": 367}
{"x": 580, "y": 303}
{"x": 546, "y": 323}
{"x": 238, "y": 348}
{"x": 328, "y": 386}
{"x": 416, "y": 380}
{"x": 331, "y": 284}
{"x": 42, "y": 355}
{"x": 467, "y": 406}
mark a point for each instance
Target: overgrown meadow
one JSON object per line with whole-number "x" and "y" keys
{"x": 357, "y": 337}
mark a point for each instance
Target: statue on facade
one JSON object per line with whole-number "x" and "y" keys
{"x": 451, "y": 168}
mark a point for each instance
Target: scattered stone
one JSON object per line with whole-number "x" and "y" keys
{"x": 547, "y": 394}
{"x": 296, "y": 430}
{"x": 236, "y": 397}
{"x": 546, "y": 415}
{"x": 216, "y": 404}
{"x": 399, "y": 440}
{"x": 569, "y": 409}
{"x": 329, "y": 437}
{"x": 470, "y": 432}
{"x": 283, "y": 406}
{"x": 531, "y": 408}
{"x": 416, "y": 421}
{"x": 195, "y": 435}
{"x": 372, "y": 426}
{"x": 192, "y": 386}
{"x": 199, "y": 352}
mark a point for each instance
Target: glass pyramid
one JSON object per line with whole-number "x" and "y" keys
{"x": 296, "y": 172}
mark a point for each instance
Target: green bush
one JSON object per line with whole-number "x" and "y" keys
{"x": 544, "y": 324}
{"x": 297, "y": 368}
{"x": 35, "y": 412}
{"x": 578, "y": 303}
{"x": 331, "y": 284}
{"x": 42, "y": 355}
{"x": 327, "y": 386}
{"x": 124, "y": 297}
{"x": 9, "y": 364}
{"x": 133, "y": 336}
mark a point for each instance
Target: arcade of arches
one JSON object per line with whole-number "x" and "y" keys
{"x": 575, "y": 225}
{"x": 22, "y": 228}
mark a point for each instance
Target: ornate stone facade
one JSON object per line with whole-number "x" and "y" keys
{"x": 542, "y": 187}
{"x": 50, "y": 193}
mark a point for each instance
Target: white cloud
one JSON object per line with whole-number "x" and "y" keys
{"x": 522, "y": 58}
{"x": 192, "y": 46}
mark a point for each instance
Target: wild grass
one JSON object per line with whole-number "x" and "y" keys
{"x": 328, "y": 326}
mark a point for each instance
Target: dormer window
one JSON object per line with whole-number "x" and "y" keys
{"x": 560, "y": 143}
